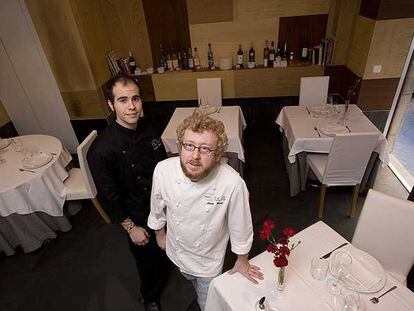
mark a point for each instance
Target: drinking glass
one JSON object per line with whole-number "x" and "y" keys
{"x": 347, "y": 300}
{"x": 339, "y": 267}
{"x": 17, "y": 145}
{"x": 319, "y": 268}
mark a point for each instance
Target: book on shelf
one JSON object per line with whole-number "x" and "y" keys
{"x": 323, "y": 54}
{"x": 111, "y": 59}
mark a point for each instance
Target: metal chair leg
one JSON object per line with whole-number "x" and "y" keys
{"x": 322, "y": 200}
{"x": 352, "y": 212}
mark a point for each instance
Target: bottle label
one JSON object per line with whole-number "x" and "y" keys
{"x": 239, "y": 59}
{"x": 272, "y": 56}
{"x": 132, "y": 64}
{"x": 190, "y": 63}
{"x": 265, "y": 62}
{"x": 304, "y": 52}
{"x": 196, "y": 62}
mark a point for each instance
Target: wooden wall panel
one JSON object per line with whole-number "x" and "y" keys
{"x": 389, "y": 47}
{"x": 126, "y": 28}
{"x": 393, "y": 9}
{"x": 348, "y": 12}
{"x": 4, "y": 117}
{"x": 341, "y": 79}
{"x": 270, "y": 82}
{"x": 167, "y": 24}
{"x": 370, "y": 8}
{"x": 211, "y": 11}
{"x": 377, "y": 94}
{"x": 61, "y": 41}
{"x": 298, "y": 29}
{"x": 183, "y": 85}
{"x": 91, "y": 26}
{"x": 257, "y": 10}
{"x": 85, "y": 104}
{"x": 360, "y": 45}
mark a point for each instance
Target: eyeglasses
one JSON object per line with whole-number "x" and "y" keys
{"x": 202, "y": 149}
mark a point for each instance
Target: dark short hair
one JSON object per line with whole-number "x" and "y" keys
{"x": 121, "y": 78}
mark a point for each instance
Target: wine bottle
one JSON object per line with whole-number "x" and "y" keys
{"x": 304, "y": 52}
{"x": 240, "y": 57}
{"x": 252, "y": 56}
{"x": 170, "y": 61}
{"x": 190, "y": 59}
{"x": 266, "y": 55}
{"x": 131, "y": 62}
{"x": 163, "y": 60}
{"x": 196, "y": 60}
{"x": 272, "y": 54}
{"x": 210, "y": 57}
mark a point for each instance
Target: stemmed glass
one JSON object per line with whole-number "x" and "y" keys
{"x": 340, "y": 268}
{"x": 347, "y": 300}
{"x": 17, "y": 145}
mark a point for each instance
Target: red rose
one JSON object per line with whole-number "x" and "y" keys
{"x": 282, "y": 240}
{"x": 284, "y": 251}
{"x": 271, "y": 248}
{"x": 280, "y": 261}
{"x": 268, "y": 224}
{"x": 289, "y": 232}
{"x": 264, "y": 234}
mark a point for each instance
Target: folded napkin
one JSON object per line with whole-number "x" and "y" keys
{"x": 361, "y": 274}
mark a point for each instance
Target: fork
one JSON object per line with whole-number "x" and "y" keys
{"x": 316, "y": 129}
{"x": 376, "y": 299}
{"x": 24, "y": 170}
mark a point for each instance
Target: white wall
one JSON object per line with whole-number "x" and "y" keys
{"x": 28, "y": 88}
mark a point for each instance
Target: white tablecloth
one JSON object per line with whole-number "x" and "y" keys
{"x": 42, "y": 191}
{"x": 231, "y": 116}
{"x": 302, "y": 292}
{"x": 298, "y": 126}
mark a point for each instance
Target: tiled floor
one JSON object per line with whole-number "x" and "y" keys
{"x": 89, "y": 268}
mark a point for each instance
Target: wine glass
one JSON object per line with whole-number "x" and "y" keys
{"x": 339, "y": 267}
{"x": 17, "y": 145}
{"x": 347, "y": 300}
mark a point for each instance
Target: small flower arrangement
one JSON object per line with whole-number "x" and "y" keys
{"x": 280, "y": 248}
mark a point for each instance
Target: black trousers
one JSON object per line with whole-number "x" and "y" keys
{"x": 152, "y": 264}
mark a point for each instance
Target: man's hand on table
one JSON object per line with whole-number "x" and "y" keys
{"x": 249, "y": 271}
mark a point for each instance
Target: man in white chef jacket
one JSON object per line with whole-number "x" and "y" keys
{"x": 198, "y": 203}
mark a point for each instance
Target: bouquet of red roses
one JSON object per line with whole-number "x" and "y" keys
{"x": 280, "y": 248}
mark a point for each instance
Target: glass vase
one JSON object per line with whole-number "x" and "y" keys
{"x": 280, "y": 285}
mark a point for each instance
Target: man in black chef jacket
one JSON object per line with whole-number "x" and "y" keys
{"x": 122, "y": 160}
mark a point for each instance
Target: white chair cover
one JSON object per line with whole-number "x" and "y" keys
{"x": 209, "y": 91}
{"x": 80, "y": 184}
{"x": 313, "y": 90}
{"x": 385, "y": 230}
{"x": 347, "y": 160}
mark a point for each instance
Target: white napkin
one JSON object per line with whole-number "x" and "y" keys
{"x": 362, "y": 275}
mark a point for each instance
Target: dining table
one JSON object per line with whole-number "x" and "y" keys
{"x": 302, "y": 292}
{"x": 302, "y": 134}
{"x": 234, "y": 123}
{"x": 32, "y": 193}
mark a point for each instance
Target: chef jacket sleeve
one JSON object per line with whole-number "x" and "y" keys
{"x": 239, "y": 220}
{"x": 157, "y": 217}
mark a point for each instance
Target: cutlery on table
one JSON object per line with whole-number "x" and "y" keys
{"x": 52, "y": 153}
{"x": 24, "y": 170}
{"x": 261, "y": 303}
{"x": 218, "y": 111}
{"x": 376, "y": 299}
{"x": 307, "y": 109}
{"x": 316, "y": 129}
{"x": 348, "y": 128}
{"x": 329, "y": 254}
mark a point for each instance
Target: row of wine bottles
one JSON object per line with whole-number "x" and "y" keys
{"x": 174, "y": 59}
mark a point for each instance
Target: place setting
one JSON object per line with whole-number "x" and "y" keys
{"x": 349, "y": 272}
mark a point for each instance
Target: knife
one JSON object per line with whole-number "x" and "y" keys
{"x": 329, "y": 254}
